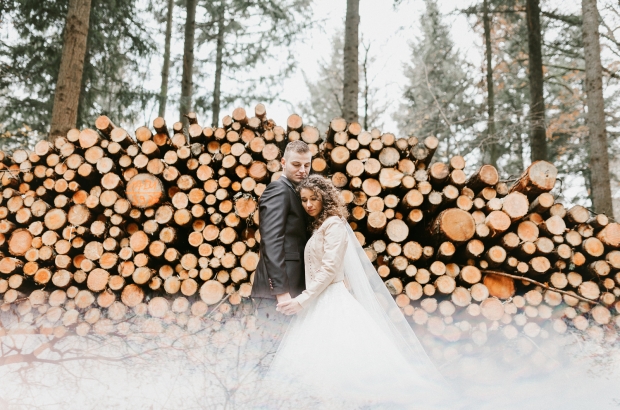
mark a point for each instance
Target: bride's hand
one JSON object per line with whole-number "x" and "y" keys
{"x": 290, "y": 307}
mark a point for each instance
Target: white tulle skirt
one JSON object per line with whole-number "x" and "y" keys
{"x": 334, "y": 355}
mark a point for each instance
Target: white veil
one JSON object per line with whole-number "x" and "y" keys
{"x": 366, "y": 286}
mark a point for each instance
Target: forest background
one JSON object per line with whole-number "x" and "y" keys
{"x": 504, "y": 82}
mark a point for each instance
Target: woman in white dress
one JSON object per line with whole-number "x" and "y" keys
{"x": 349, "y": 345}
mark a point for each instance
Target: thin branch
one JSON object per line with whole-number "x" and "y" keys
{"x": 544, "y": 285}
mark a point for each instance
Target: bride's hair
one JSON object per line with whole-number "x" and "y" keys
{"x": 333, "y": 204}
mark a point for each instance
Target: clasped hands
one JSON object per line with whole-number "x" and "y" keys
{"x": 287, "y": 305}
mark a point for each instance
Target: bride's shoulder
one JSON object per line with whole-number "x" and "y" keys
{"x": 332, "y": 221}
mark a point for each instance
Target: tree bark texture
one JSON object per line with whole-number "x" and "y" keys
{"x": 188, "y": 60}
{"x": 351, "y": 61}
{"x": 163, "y": 94}
{"x": 599, "y": 159}
{"x": 491, "y": 137}
{"x": 366, "y": 87}
{"x": 217, "y": 86}
{"x": 69, "y": 82}
{"x": 538, "y": 138}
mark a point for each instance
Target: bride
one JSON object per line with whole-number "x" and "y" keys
{"x": 349, "y": 345}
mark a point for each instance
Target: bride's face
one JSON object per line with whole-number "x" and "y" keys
{"x": 311, "y": 202}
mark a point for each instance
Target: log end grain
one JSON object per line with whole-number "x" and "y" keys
{"x": 145, "y": 191}
{"x": 499, "y": 286}
{"x": 454, "y": 225}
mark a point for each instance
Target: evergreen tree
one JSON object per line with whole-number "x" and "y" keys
{"x": 187, "y": 79}
{"x": 439, "y": 96}
{"x": 114, "y": 69}
{"x": 564, "y": 92}
{"x": 244, "y": 36}
{"x": 351, "y": 87}
{"x": 69, "y": 82}
{"x": 325, "y": 102}
{"x": 326, "y": 94}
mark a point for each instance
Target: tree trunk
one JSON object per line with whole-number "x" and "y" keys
{"x": 599, "y": 160}
{"x": 351, "y": 61}
{"x": 69, "y": 82}
{"x": 366, "y": 86}
{"x": 538, "y": 140}
{"x": 491, "y": 137}
{"x": 163, "y": 94}
{"x": 218, "y": 69}
{"x": 188, "y": 60}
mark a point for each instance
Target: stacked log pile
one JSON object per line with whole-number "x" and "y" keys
{"x": 102, "y": 224}
{"x": 457, "y": 251}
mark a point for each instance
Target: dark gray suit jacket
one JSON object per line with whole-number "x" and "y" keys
{"x": 283, "y": 240}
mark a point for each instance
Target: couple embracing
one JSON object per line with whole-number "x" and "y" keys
{"x": 348, "y": 345}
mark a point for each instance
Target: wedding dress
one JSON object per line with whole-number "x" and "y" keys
{"x": 350, "y": 346}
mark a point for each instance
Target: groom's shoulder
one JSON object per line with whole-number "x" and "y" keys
{"x": 275, "y": 187}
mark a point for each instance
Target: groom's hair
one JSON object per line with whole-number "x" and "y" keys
{"x": 297, "y": 146}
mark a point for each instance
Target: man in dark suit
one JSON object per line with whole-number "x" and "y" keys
{"x": 280, "y": 273}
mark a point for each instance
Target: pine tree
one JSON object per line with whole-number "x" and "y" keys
{"x": 68, "y": 84}
{"x": 241, "y": 36}
{"x": 114, "y": 69}
{"x": 538, "y": 135}
{"x": 599, "y": 159}
{"x": 325, "y": 100}
{"x": 326, "y": 93}
{"x": 565, "y": 102}
{"x": 351, "y": 61}
{"x": 439, "y": 96}
{"x": 165, "y": 70}
{"x": 187, "y": 78}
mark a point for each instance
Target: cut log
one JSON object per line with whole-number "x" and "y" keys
{"x": 454, "y": 225}
{"x": 492, "y": 309}
{"x": 486, "y": 175}
{"x": 211, "y": 292}
{"x": 539, "y": 177}
{"x": 610, "y": 235}
{"x": 132, "y": 295}
{"x": 19, "y": 242}
{"x": 397, "y": 230}
{"x": 144, "y": 191}
{"x": 499, "y": 286}
{"x": 554, "y": 226}
{"x": 515, "y": 205}
{"x": 497, "y": 222}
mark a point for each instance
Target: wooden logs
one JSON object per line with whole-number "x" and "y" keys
{"x": 610, "y": 235}
{"x": 211, "y": 292}
{"x": 101, "y": 225}
{"x": 144, "y": 190}
{"x": 499, "y": 286}
{"x": 539, "y": 177}
{"x": 454, "y": 225}
{"x": 485, "y": 176}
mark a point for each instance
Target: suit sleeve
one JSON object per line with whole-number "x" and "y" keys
{"x": 334, "y": 247}
{"x": 273, "y": 210}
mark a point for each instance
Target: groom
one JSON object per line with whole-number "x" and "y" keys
{"x": 280, "y": 272}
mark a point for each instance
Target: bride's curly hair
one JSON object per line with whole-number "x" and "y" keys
{"x": 333, "y": 204}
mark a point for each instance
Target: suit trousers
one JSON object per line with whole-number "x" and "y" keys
{"x": 270, "y": 328}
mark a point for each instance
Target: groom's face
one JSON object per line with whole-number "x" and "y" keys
{"x": 296, "y": 166}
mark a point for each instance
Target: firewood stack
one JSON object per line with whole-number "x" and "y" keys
{"x": 101, "y": 224}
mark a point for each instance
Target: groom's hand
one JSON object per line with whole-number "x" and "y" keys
{"x": 289, "y": 307}
{"x": 283, "y": 297}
